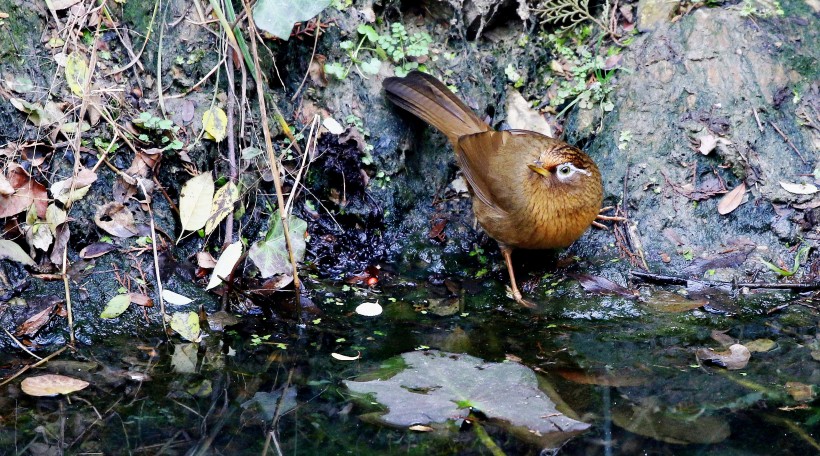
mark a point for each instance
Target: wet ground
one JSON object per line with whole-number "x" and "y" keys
{"x": 627, "y": 367}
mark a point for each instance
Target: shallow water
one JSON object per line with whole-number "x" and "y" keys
{"x": 628, "y": 370}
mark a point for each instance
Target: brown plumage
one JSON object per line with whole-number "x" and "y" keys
{"x": 529, "y": 190}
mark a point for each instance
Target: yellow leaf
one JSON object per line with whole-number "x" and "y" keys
{"x": 76, "y": 73}
{"x": 186, "y": 324}
{"x": 224, "y": 199}
{"x": 195, "y": 201}
{"x": 215, "y": 123}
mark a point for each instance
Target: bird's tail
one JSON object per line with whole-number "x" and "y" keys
{"x": 427, "y": 98}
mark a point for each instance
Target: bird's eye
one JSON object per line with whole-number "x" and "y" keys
{"x": 564, "y": 170}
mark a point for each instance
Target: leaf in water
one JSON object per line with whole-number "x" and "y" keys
{"x": 604, "y": 378}
{"x": 76, "y": 73}
{"x": 730, "y": 201}
{"x": 195, "y": 201}
{"x": 175, "y": 299}
{"x": 215, "y": 123}
{"x": 278, "y": 16}
{"x": 269, "y": 403}
{"x": 434, "y": 383}
{"x": 186, "y": 324}
{"x": 225, "y": 264}
{"x": 737, "y": 357}
{"x": 667, "y": 301}
{"x": 369, "y": 309}
{"x": 800, "y": 392}
{"x": 760, "y": 345}
{"x": 799, "y": 189}
{"x": 271, "y": 255}
{"x": 116, "y": 219}
{"x": 666, "y": 427}
{"x": 116, "y": 306}
{"x": 224, "y": 200}
{"x": 51, "y": 385}
{"x": 595, "y": 284}
{"x": 185, "y": 357}
{"x": 9, "y": 250}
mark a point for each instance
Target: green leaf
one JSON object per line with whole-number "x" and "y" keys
{"x": 76, "y": 73}
{"x": 116, "y": 306}
{"x": 271, "y": 255}
{"x": 278, "y": 16}
{"x": 336, "y": 70}
{"x": 369, "y": 32}
{"x": 372, "y": 66}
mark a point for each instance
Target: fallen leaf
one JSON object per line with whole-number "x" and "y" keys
{"x": 215, "y": 123}
{"x": 222, "y": 205}
{"x": 737, "y": 357}
{"x": 32, "y": 325}
{"x": 799, "y": 189}
{"x": 9, "y": 250}
{"x": 51, "y": 385}
{"x": 141, "y": 299}
{"x": 601, "y": 285}
{"x": 667, "y": 301}
{"x": 333, "y": 126}
{"x": 175, "y": 299}
{"x": 116, "y": 219}
{"x": 205, "y": 260}
{"x": 760, "y": 345}
{"x": 195, "y": 201}
{"x": 63, "y": 4}
{"x": 76, "y": 73}
{"x": 520, "y": 115}
{"x": 96, "y": 250}
{"x": 186, "y": 324}
{"x": 116, "y": 306}
{"x": 730, "y": 201}
{"x": 670, "y": 427}
{"x": 225, "y": 264}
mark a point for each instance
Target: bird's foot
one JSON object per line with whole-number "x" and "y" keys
{"x": 520, "y": 299}
{"x": 606, "y": 218}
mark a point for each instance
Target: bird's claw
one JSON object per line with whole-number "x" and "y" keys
{"x": 606, "y": 218}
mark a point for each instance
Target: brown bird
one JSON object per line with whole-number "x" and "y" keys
{"x": 529, "y": 191}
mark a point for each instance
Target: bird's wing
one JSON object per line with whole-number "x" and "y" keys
{"x": 475, "y": 154}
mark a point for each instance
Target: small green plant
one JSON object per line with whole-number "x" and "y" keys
{"x": 623, "y": 139}
{"x": 799, "y": 258}
{"x": 761, "y": 8}
{"x": 160, "y": 130}
{"x": 581, "y": 77}
{"x": 398, "y": 47}
{"x": 514, "y": 76}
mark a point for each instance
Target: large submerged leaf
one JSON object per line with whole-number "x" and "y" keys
{"x": 439, "y": 386}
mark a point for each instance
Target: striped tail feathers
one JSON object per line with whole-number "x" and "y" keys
{"x": 427, "y": 98}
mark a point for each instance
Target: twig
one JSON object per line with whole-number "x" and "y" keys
{"x": 135, "y": 59}
{"x": 20, "y": 344}
{"x": 312, "y": 55}
{"x": 788, "y": 141}
{"x": 273, "y": 162}
{"x": 757, "y": 119}
{"x": 673, "y": 280}
{"x": 156, "y": 256}
{"x": 232, "y": 169}
{"x": 29, "y": 366}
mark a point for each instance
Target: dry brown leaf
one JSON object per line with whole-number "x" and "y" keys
{"x": 730, "y": 201}
{"x": 51, "y": 385}
{"x": 707, "y": 144}
{"x": 116, "y": 219}
{"x": 799, "y": 189}
{"x": 96, "y": 250}
{"x": 800, "y": 392}
{"x": 32, "y": 325}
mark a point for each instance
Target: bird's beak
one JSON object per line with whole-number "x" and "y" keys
{"x": 536, "y": 167}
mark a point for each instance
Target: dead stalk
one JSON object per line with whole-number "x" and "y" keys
{"x": 272, "y": 160}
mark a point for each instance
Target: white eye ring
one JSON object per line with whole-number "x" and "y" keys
{"x": 566, "y": 170}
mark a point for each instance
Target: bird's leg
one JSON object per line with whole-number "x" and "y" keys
{"x": 606, "y": 218}
{"x": 506, "y": 252}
